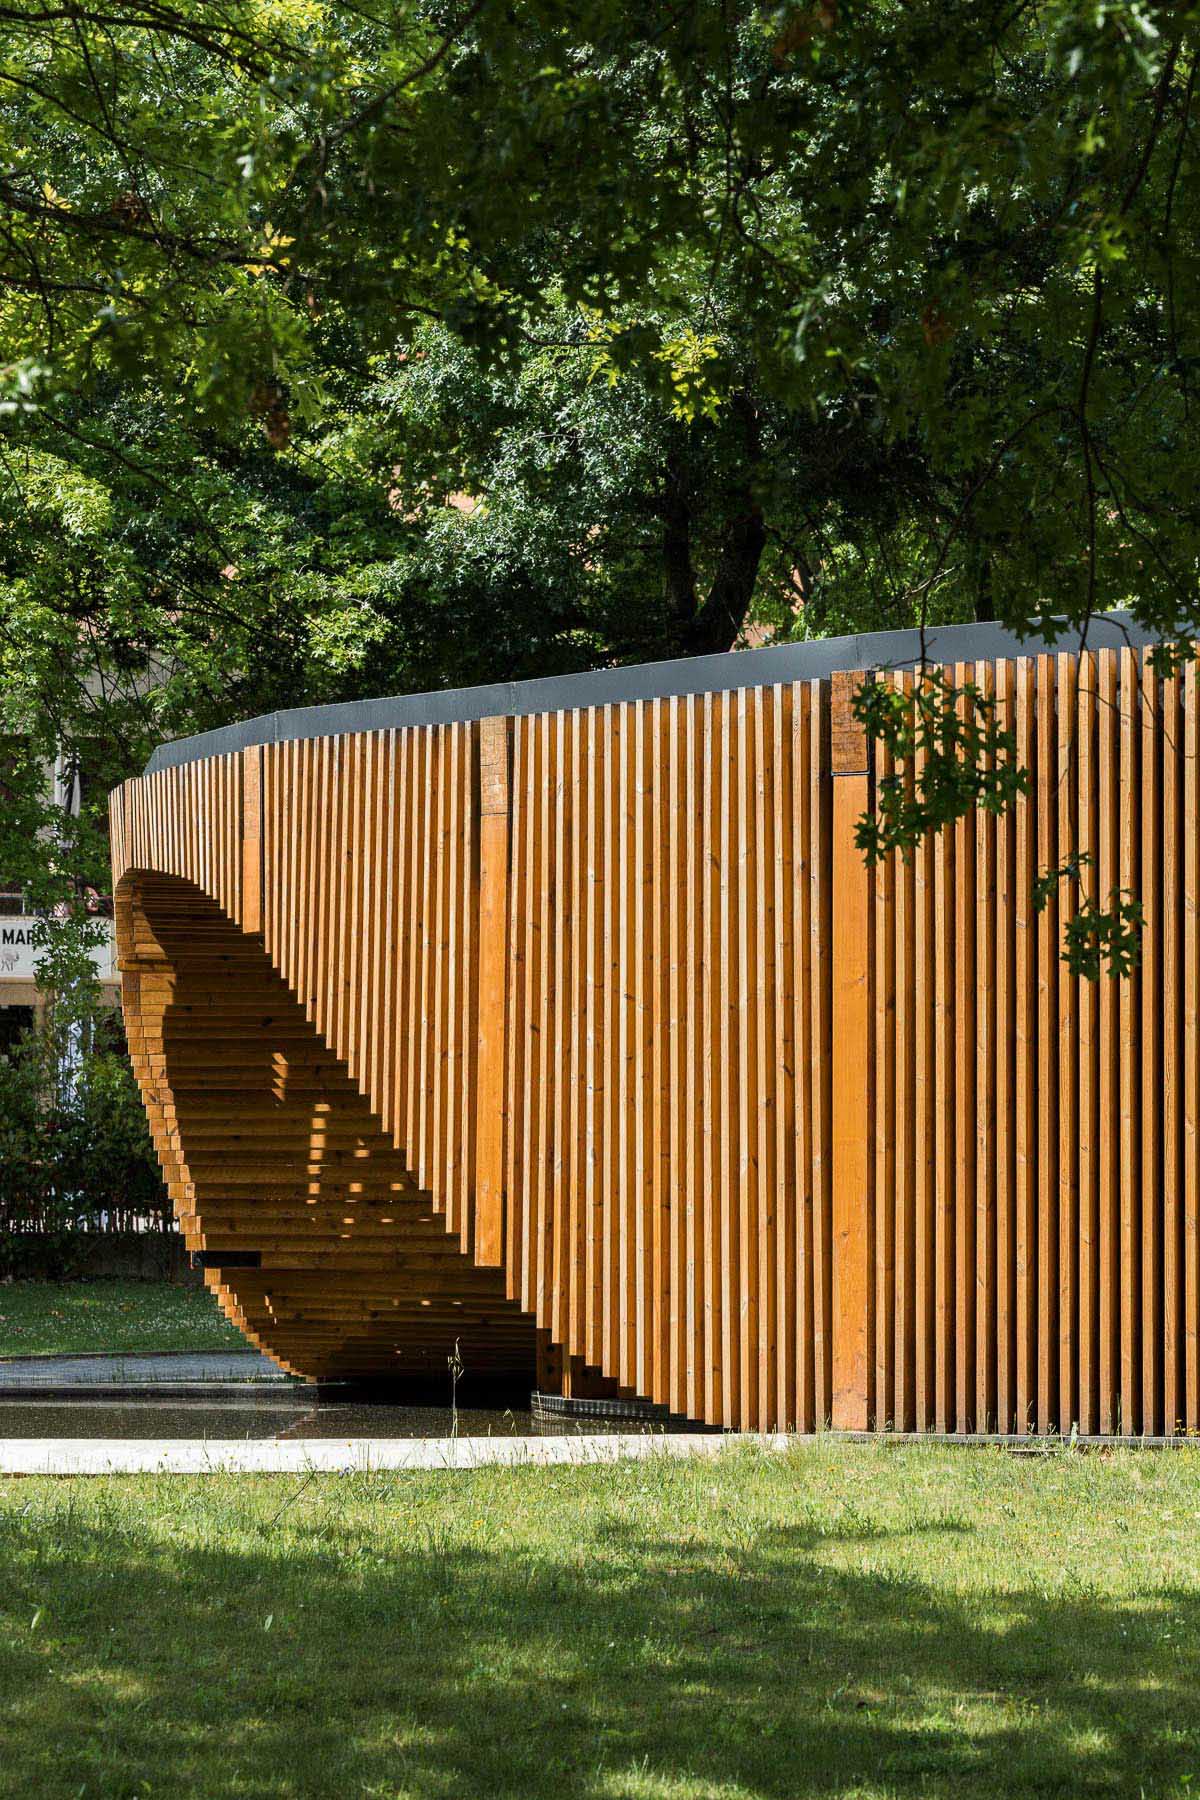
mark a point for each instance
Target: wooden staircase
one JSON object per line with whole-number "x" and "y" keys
{"x": 316, "y": 1239}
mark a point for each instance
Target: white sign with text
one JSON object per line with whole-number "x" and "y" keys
{"x": 20, "y": 950}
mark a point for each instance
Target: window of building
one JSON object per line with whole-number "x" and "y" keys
{"x": 15, "y": 1021}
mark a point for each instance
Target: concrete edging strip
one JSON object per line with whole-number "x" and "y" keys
{"x": 347, "y": 1456}
{"x": 298, "y": 1456}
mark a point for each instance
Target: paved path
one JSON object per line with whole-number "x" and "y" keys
{"x": 120, "y": 1370}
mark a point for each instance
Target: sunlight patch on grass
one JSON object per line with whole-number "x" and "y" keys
{"x": 76, "y": 1317}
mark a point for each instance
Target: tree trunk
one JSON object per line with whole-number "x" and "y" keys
{"x": 700, "y": 629}
{"x": 679, "y": 576}
{"x": 717, "y": 624}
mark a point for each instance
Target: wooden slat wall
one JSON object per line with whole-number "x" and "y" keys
{"x": 669, "y": 1175}
{"x": 752, "y": 1131}
{"x": 1053, "y": 1175}
{"x": 370, "y": 848}
{"x": 266, "y": 1057}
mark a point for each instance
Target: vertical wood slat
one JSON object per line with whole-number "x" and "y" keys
{"x": 904, "y": 1403}
{"x": 641, "y": 1196}
{"x": 1087, "y": 1133}
{"x": 658, "y": 1252}
{"x": 883, "y": 1032}
{"x": 986, "y": 1147}
{"x": 541, "y": 1100}
{"x": 607, "y": 1337}
{"x": 803, "y": 1291}
{"x": 1047, "y": 1053}
{"x": 1005, "y": 1049}
{"x": 1190, "y": 1072}
{"x": 383, "y": 930}
{"x": 965, "y": 1080}
{"x": 589, "y": 976}
{"x": 516, "y": 958}
{"x": 686, "y": 1082}
{"x": 398, "y": 1051}
{"x": 1025, "y": 1238}
{"x": 1151, "y": 1231}
{"x": 850, "y": 949}
{"x": 1064, "y": 1410}
{"x": 1108, "y": 804}
{"x": 944, "y": 1130}
{"x": 782, "y": 1269}
{"x": 675, "y": 1271}
{"x": 1169, "y": 733}
{"x": 464, "y": 997}
{"x": 1129, "y": 877}
{"x": 725, "y": 1273}
{"x": 925, "y": 1099}
{"x": 906, "y": 1123}
{"x": 493, "y": 941}
{"x": 592, "y": 978}
{"x": 557, "y": 1149}
{"x": 820, "y": 1086}
{"x": 439, "y": 998}
{"x": 749, "y": 907}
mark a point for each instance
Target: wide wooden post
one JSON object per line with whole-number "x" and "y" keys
{"x": 493, "y": 967}
{"x": 851, "y": 951}
{"x": 252, "y": 870}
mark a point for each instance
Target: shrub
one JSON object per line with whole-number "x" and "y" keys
{"x": 75, "y": 1151}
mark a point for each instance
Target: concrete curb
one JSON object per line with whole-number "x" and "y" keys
{"x": 270, "y": 1456}
{"x": 344, "y": 1456}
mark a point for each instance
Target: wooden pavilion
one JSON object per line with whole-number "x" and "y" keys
{"x": 565, "y": 1023}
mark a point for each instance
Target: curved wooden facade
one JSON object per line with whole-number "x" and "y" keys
{"x": 564, "y": 1023}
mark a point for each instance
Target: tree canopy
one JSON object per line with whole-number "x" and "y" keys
{"x": 356, "y": 346}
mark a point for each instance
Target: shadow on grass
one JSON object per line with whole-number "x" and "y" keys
{"x": 315, "y": 1664}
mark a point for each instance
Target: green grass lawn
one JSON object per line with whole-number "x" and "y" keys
{"x": 842, "y": 1620}
{"x": 72, "y": 1316}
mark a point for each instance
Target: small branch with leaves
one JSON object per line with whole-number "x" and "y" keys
{"x": 949, "y": 752}
{"x": 1095, "y": 941}
{"x": 949, "y": 755}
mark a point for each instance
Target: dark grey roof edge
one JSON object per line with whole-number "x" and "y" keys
{"x": 810, "y": 661}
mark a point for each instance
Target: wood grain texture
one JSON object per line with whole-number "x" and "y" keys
{"x": 853, "y": 1188}
{"x": 588, "y": 1043}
